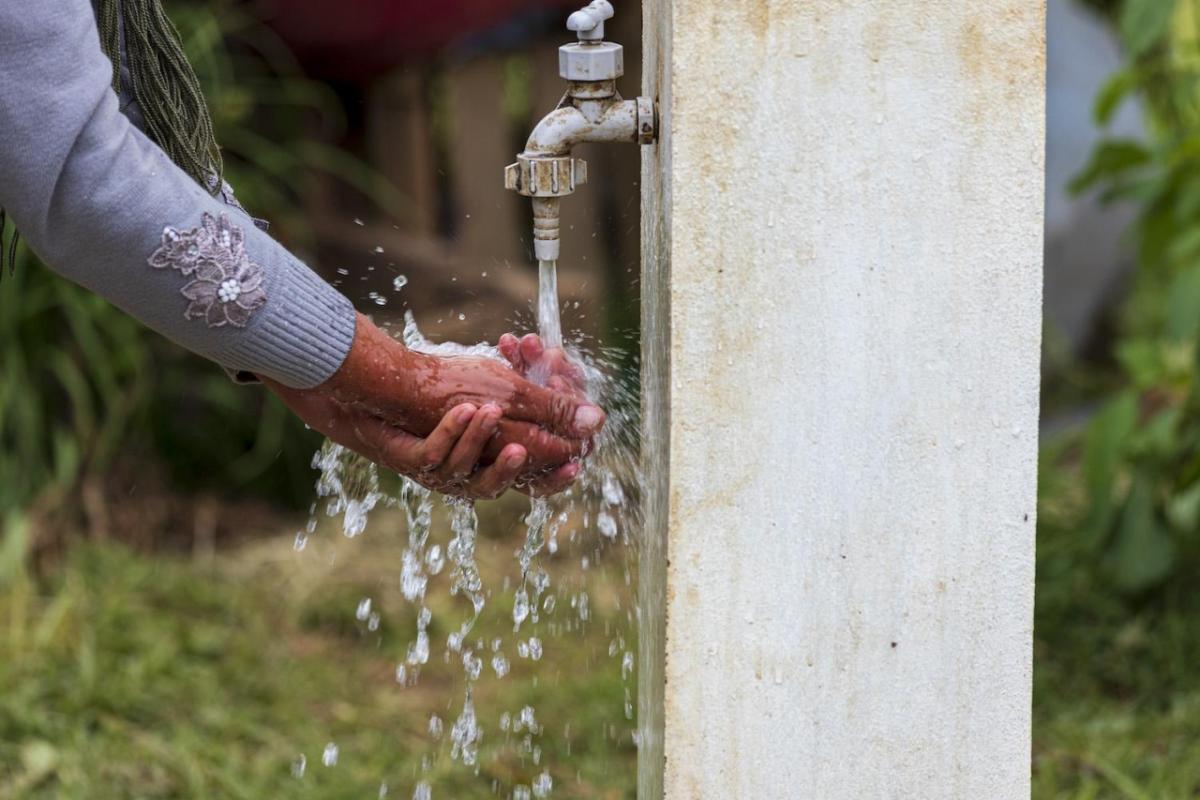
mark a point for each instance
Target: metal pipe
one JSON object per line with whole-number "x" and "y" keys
{"x": 612, "y": 120}
{"x": 591, "y": 111}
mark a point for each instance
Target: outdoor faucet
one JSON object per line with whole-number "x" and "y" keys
{"x": 591, "y": 111}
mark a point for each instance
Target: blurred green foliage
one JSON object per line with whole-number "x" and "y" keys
{"x": 1138, "y": 519}
{"x": 127, "y": 676}
{"x": 86, "y": 387}
{"x": 1117, "y": 647}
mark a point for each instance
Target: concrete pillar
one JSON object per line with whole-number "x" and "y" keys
{"x": 842, "y": 309}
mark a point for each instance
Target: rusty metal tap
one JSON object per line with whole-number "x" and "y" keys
{"x": 591, "y": 111}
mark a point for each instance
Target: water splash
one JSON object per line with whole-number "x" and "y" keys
{"x": 465, "y": 576}
{"x": 350, "y": 482}
{"x": 466, "y": 735}
{"x": 605, "y": 499}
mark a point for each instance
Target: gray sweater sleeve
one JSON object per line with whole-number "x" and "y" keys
{"x": 102, "y": 205}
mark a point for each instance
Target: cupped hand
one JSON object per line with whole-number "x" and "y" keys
{"x": 471, "y": 427}
{"x": 413, "y": 391}
{"x": 547, "y": 366}
{"x": 446, "y": 460}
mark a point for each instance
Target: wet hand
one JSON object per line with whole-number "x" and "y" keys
{"x": 550, "y": 367}
{"x": 385, "y": 392}
{"x": 445, "y": 461}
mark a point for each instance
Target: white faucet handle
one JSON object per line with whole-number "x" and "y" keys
{"x": 588, "y": 22}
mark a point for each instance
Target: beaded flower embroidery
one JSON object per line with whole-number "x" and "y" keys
{"x": 226, "y": 287}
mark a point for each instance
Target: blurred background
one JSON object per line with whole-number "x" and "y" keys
{"x": 163, "y": 634}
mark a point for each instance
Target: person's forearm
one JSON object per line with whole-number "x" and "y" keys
{"x": 105, "y": 207}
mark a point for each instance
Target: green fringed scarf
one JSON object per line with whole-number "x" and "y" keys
{"x": 166, "y": 89}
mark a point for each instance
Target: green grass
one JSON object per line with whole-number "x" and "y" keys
{"x": 128, "y": 676}
{"x": 135, "y": 676}
{"x": 1116, "y": 682}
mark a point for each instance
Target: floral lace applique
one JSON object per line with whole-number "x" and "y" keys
{"x": 226, "y": 287}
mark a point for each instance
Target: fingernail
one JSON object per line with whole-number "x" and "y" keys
{"x": 571, "y": 472}
{"x": 516, "y": 459}
{"x": 491, "y": 420}
{"x": 465, "y": 414}
{"x": 588, "y": 418}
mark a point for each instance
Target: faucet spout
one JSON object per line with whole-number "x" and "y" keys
{"x": 591, "y": 111}
{"x": 577, "y": 121}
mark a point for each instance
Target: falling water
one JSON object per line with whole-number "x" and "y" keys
{"x": 549, "y": 317}
{"x": 605, "y": 498}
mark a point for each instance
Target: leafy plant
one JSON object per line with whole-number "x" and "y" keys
{"x": 1141, "y": 453}
{"x": 85, "y": 386}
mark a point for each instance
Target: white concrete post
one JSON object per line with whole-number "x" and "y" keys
{"x": 843, "y": 246}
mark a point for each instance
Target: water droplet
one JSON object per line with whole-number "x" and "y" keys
{"x": 418, "y": 651}
{"x": 423, "y": 791}
{"x": 412, "y": 579}
{"x": 378, "y": 249}
{"x": 301, "y": 541}
{"x": 359, "y": 222}
{"x": 435, "y": 726}
{"x": 434, "y": 560}
{"x": 520, "y": 608}
{"x": 330, "y": 756}
{"x": 500, "y": 665}
{"x": 472, "y": 665}
{"x": 364, "y": 609}
{"x": 542, "y": 785}
{"x": 399, "y": 282}
{"x": 299, "y": 765}
{"x": 465, "y": 735}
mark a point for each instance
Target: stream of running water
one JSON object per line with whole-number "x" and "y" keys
{"x": 549, "y": 315}
{"x": 603, "y": 503}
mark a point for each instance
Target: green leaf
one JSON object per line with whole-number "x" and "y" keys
{"x": 1142, "y": 360}
{"x": 1157, "y": 438}
{"x": 1143, "y": 552}
{"x": 1105, "y": 441}
{"x": 1183, "y": 299}
{"x": 1183, "y": 510}
{"x": 1144, "y": 24}
{"x": 1110, "y": 159}
{"x": 1119, "y": 86}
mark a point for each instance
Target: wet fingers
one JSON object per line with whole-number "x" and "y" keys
{"x": 445, "y": 439}
{"x": 510, "y": 348}
{"x": 495, "y": 480}
{"x": 557, "y": 481}
{"x": 469, "y": 449}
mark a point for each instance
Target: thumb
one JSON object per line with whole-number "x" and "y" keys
{"x": 559, "y": 412}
